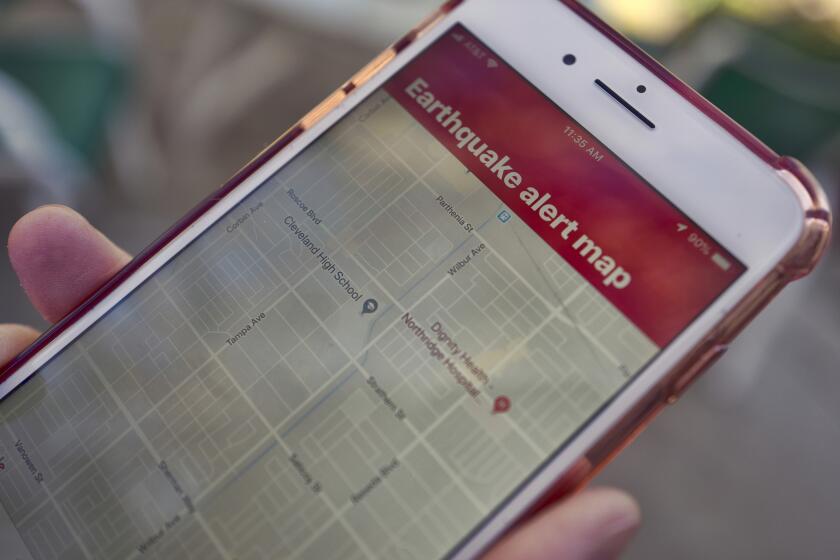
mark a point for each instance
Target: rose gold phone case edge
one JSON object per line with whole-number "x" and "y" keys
{"x": 799, "y": 262}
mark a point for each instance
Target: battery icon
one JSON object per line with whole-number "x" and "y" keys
{"x": 721, "y": 261}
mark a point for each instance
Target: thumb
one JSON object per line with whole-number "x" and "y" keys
{"x": 596, "y": 524}
{"x": 61, "y": 259}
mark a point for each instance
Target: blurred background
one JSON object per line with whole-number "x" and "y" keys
{"x": 132, "y": 111}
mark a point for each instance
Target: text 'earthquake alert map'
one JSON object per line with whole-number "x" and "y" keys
{"x": 360, "y": 360}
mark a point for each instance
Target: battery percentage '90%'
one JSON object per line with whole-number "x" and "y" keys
{"x": 700, "y": 244}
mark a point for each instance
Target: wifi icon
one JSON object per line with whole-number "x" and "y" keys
{"x": 491, "y": 63}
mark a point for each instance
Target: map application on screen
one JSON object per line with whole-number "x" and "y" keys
{"x": 371, "y": 352}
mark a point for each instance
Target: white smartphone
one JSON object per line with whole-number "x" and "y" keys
{"x": 479, "y": 266}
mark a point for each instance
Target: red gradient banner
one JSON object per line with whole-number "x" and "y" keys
{"x": 643, "y": 265}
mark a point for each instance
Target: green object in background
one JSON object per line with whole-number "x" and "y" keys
{"x": 76, "y": 84}
{"x": 787, "y": 123}
{"x": 782, "y": 91}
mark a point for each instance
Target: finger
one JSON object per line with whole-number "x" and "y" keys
{"x": 13, "y": 339}
{"x": 61, "y": 259}
{"x": 594, "y": 525}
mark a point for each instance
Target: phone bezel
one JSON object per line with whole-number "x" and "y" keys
{"x": 717, "y": 185}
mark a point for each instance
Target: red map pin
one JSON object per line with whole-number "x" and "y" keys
{"x": 501, "y": 405}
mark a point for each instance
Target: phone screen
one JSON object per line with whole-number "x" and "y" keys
{"x": 374, "y": 350}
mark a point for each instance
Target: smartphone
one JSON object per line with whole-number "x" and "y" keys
{"x": 456, "y": 287}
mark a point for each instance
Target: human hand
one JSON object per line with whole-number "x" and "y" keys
{"x": 60, "y": 259}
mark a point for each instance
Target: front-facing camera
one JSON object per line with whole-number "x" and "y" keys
{"x": 569, "y": 59}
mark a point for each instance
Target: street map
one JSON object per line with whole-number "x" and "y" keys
{"x": 361, "y": 360}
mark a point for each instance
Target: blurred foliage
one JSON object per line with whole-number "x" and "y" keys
{"x": 74, "y": 81}
{"x": 788, "y": 123}
{"x": 815, "y": 23}
{"x": 776, "y": 70}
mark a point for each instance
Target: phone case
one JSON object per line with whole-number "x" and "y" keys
{"x": 799, "y": 262}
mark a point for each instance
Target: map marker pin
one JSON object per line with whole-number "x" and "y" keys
{"x": 501, "y": 405}
{"x": 370, "y": 306}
